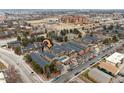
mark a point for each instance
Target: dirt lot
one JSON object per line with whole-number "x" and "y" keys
{"x": 2, "y": 66}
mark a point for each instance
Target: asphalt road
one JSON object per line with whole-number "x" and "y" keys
{"x": 5, "y": 41}
{"x": 23, "y": 69}
{"x": 69, "y": 75}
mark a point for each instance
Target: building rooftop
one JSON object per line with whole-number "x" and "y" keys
{"x": 71, "y": 47}
{"x": 37, "y": 58}
{"x": 14, "y": 44}
{"x": 90, "y": 39}
{"x": 76, "y": 44}
{"x": 57, "y": 49}
{"x": 45, "y": 53}
{"x": 99, "y": 76}
{"x": 109, "y": 67}
{"x": 115, "y": 58}
{"x": 63, "y": 59}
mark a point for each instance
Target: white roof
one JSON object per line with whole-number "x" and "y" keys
{"x": 2, "y": 78}
{"x": 115, "y": 58}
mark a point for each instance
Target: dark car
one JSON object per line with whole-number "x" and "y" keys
{"x": 120, "y": 74}
{"x": 76, "y": 73}
{"x": 70, "y": 69}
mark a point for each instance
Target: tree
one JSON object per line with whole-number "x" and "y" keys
{"x": 79, "y": 35}
{"x": 60, "y": 39}
{"x": 37, "y": 67}
{"x": 82, "y": 28}
{"x": 25, "y": 41}
{"x": 107, "y": 41}
{"x": 33, "y": 39}
{"x": 65, "y": 38}
{"x": 18, "y": 38}
{"x": 110, "y": 27}
{"x": 63, "y": 32}
{"x": 75, "y": 31}
{"x": 40, "y": 39}
{"x": 18, "y": 50}
{"x": 25, "y": 34}
{"x": 47, "y": 71}
{"x": 52, "y": 67}
{"x": 71, "y": 30}
{"x": 117, "y": 26}
{"x": 45, "y": 30}
{"x": 104, "y": 27}
{"x": 51, "y": 34}
{"x": 115, "y": 38}
{"x": 27, "y": 58}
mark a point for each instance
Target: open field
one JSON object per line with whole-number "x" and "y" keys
{"x": 2, "y": 66}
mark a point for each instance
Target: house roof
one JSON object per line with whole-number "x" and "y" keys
{"x": 109, "y": 67}
{"x": 89, "y": 38}
{"x": 14, "y": 43}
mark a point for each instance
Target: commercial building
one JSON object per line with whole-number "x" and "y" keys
{"x": 39, "y": 60}
{"x": 99, "y": 76}
{"x": 74, "y": 19}
{"x": 116, "y": 58}
{"x": 113, "y": 70}
{"x": 63, "y": 59}
{"x": 47, "y": 55}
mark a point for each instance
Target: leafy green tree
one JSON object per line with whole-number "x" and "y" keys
{"x": 27, "y": 58}
{"x": 104, "y": 27}
{"x": 25, "y": 41}
{"x": 76, "y": 31}
{"x": 71, "y": 30}
{"x": 47, "y": 71}
{"x": 52, "y": 67}
{"x": 18, "y": 38}
{"x": 115, "y": 38}
{"x": 25, "y": 34}
{"x": 110, "y": 27}
{"x": 60, "y": 39}
{"x": 62, "y": 32}
{"x": 36, "y": 67}
{"x": 79, "y": 35}
{"x": 107, "y": 41}
{"x": 82, "y": 28}
{"x": 33, "y": 39}
{"x": 18, "y": 50}
{"x": 46, "y": 31}
{"x": 65, "y": 38}
{"x": 51, "y": 34}
{"x": 40, "y": 39}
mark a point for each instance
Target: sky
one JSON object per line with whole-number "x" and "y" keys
{"x": 61, "y": 4}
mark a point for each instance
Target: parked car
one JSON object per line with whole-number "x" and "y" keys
{"x": 121, "y": 74}
{"x": 76, "y": 73}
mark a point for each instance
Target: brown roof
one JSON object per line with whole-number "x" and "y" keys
{"x": 109, "y": 67}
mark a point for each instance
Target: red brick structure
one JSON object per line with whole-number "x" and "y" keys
{"x": 74, "y": 19}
